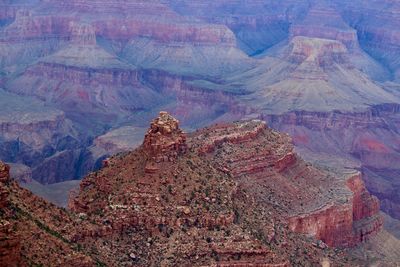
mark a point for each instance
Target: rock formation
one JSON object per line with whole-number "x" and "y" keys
{"x": 193, "y": 208}
{"x": 33, "y": 231}
{"x": 307, "y": 67}
{"x": 206, "y": 180}
{"x": 10, "y": 242}
{"x": 323, "y": 21}
{"x": 328, "y": 217}
{"x": 32, "y": 132}
{"x": 164, "y": 141}
{"x": 372, "y": 151}
{"x": 4, "y": 180}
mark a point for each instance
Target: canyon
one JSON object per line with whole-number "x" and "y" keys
{"x": 80, "y": 80}
{"x": 182, "y": 199}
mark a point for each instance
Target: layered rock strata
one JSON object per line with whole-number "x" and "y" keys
{"x": 338, "y": 211}
{"x": 164, "y": 141}
{"x": 10, "y": 242}
{"x": 207, "y": 180}
{"x": 33, "y": 231}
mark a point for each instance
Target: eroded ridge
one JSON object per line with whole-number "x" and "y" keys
{"x": 228, "y": 195}
{"x": 335, "y": 208}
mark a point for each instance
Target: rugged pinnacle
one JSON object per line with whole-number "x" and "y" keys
{"x": 4, "y": 179}
{"x": 164, "y": 141}
{"x": 4, "y": 173}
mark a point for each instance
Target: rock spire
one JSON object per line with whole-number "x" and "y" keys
{"x": 164, "y": 141}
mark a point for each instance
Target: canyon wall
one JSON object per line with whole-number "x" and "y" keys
{"x": 343, "y": 225}
{"x": 335, "y": 209}
{"x": 309, "y": 68}
{"x": 368, "y": 143}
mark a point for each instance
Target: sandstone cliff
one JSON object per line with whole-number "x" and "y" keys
{"x": 183, "y": 188}
{"x": 183, "y": 199}
{"x": 311, "y": 68}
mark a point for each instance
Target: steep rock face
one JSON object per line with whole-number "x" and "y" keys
{"x": 370, "y": 144}
{"x": 321, "y": 68}
{"x": 364, "y": 205}
{"x": 27, "y": 38}
{"x": 173, "y": 196}
{"x": 125, "y": 20}
{"x": 377, "y": 28}
{"x": 30, "y": 132}
{"x": 347, "y": 224}
{"x": 10, "y": 245}
{"x": 76, "y": 71}
{"x": 195, "y": 103}
{"x": 90, "y": 87}
{"x": 194, "y": 209}
{"x": 323, "y": 21}
{"x": 79, "y": 77}
{"x": 74, "y": 55}
{"x": 258, "y": 25}
{"x": 161, "y": 206}
{"x": 164, "y": 141}
{"x": 27, "y": 26}
{"x": 341, "y": 217}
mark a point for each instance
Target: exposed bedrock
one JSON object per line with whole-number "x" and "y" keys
{"x": 345, "y": 224}
{"x": 32, "y": 133}
{"x": 323, "y": 21}
{"x": 82, "y": 87}
{"x": 10, "y": 245}
{"x": 377, "y": 28}
{"x": 368, "y": 141}
{"x": 196, "y": 104}
{"x": 336, "y": 209}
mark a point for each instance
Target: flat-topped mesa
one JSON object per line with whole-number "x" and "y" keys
{"x": 164, "y": 141}
{"x": 82, "y": 34}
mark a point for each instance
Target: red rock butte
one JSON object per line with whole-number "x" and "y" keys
{"x": 164, "y": 140}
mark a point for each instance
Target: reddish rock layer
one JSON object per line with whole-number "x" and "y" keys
{"x": 4, "y": 180}
{"x": 193, "y": 209}
{"x": 364, "y": 205}
{"x": 186, "y": 196}
{"x": 343, "y": 225}
{"x": 10, "y": 242}
{"x": 323, "y": 205}
{"x": 364, "y": 146}
{"x": 164, "y": 141}
{"x": 33, "y": 231}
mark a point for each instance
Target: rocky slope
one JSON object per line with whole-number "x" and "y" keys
{"x": 368, "y": 143}
{"x": 180, "y": 189}
{"x": 32, "y": 231}
{"x": 112, "y": 65}
{"x": 307, "y": 67}
{"x": 379, "y": 33}
{"x": 325, "y": 65}
{"x": 182, "y": 199}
